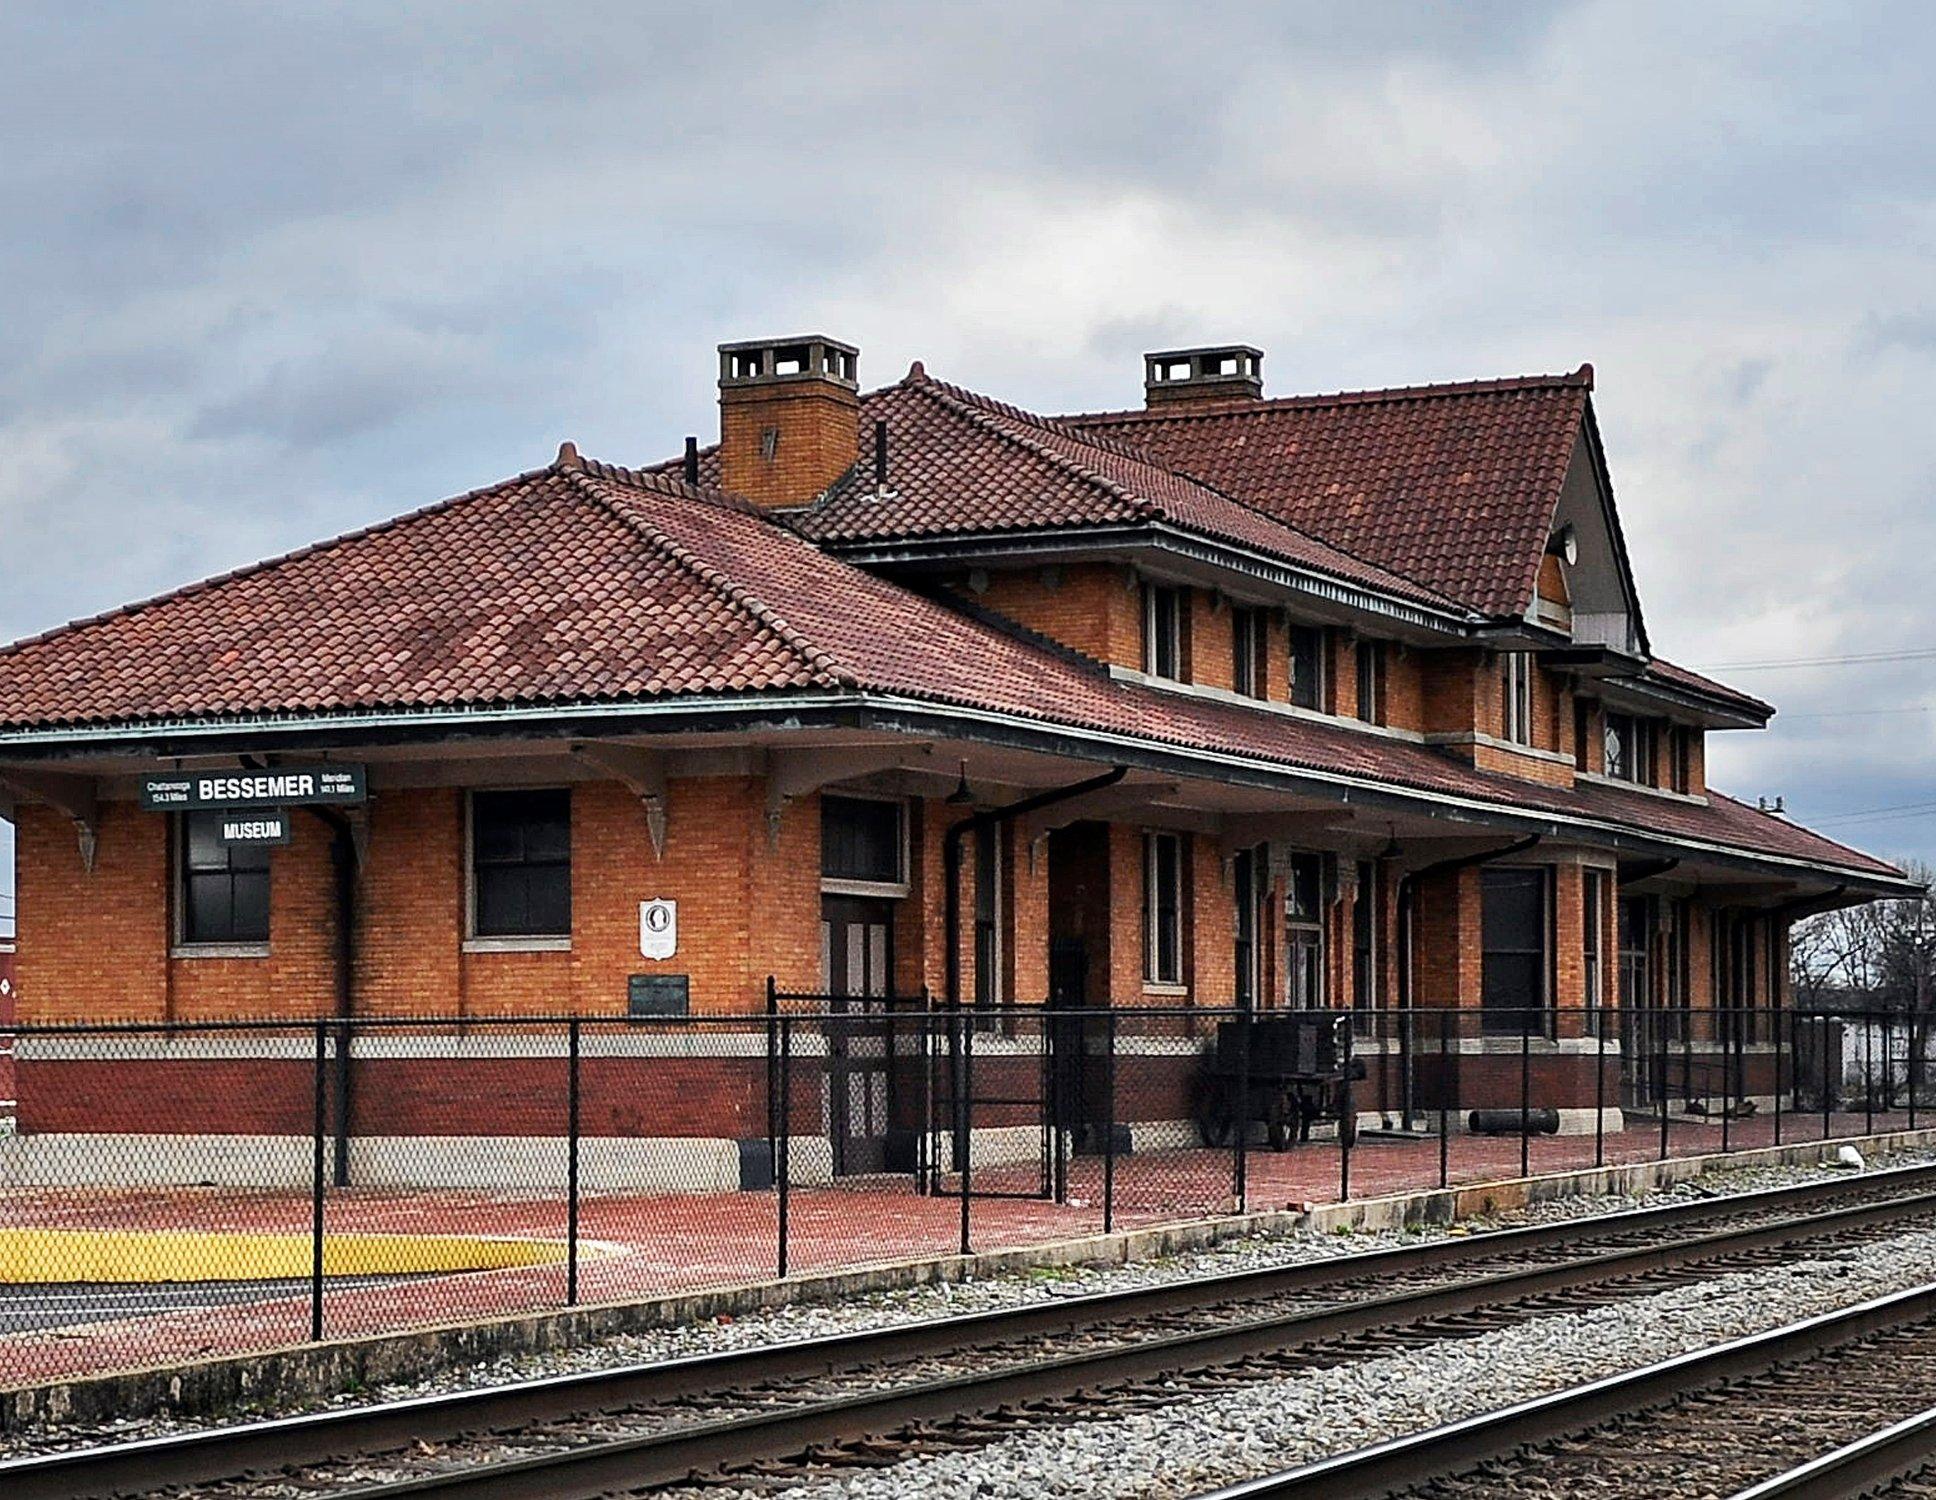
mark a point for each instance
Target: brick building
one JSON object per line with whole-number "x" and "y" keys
{"x": 1342, "y": 701}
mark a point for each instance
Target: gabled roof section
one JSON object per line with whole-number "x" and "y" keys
{"x": 1691, "y": 681}
{"x": 963, "y": 464}
{"x": 1454, "y": 486}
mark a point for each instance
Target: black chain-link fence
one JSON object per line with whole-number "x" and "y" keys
{"x": 169, "y": 1192}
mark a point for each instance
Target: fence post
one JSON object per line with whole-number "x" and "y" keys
{"x": 1731, "y": 1020}
{"x": 1109, "y": 1123}
{"x": 571, "y": 1165}
{"x": 1778, "y": 1071}
{"x": 1347, "y": 1117}
{"x": 1445, "y": 1096}
{"x": 783, "y": 1147}
{"x": 1600, "y": 1091}
{"x": 772, "y": 1079}
{"x": 321, "y": 1126}
{"x": 1526, "y": 1095}
{"x": 965, "y": 1116}
{"x": 1823, "y": 1029}
{"x": 1660, "y": 1030}
{"x": 1240, "y": 1126}
{"x": 1914, "y": 1045}
{"x": 1868, "y": 1074}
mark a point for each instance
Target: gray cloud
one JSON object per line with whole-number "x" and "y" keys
{"x": 279, "y": 271}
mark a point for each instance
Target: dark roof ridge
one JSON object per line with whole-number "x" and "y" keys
{"x": 963, "y": 404}
{"x": 819, "y": 662}
{"x": 341, "y": 539}
{"x": 1580, "y": 379}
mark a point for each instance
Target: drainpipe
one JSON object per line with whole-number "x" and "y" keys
{"x": 1407, "y": 888}
{"x": 951, "y": 857}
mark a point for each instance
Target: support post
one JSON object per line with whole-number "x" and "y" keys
{"x": 1240, "y": 1129}
{"x": 319, "y": 1151}
{"x": 1445, "y": 1096}
{"x": 1600, "y": 1091}
{"x": 965, "y": 1115}
{"x": 1109, "y": 1125}
{"x": 783, "y": 1153}
{"x": 571, "y": 1165}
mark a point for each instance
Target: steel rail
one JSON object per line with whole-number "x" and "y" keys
{"x": 1402, "y": 1464}
{"x": 1864, "y": 1466}
{"x": 204, "y": 1456}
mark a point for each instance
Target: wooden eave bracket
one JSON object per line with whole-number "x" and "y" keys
{"x": 77, "y": 796}
{"x": 792, "y": 774}
{"x": 641, "y": 772}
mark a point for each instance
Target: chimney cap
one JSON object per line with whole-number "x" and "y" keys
{"x": 804, "y": 356}
{"x": 1208, "y": 372}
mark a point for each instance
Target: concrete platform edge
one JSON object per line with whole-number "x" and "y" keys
{"x": 237, "y": 1386}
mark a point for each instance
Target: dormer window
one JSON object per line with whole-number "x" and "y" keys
{"x": 1250, "y": 647}
{"x": 1516, "y": 689}
{"x": 1630, "y": 749}
{"x": 1163, "y": 631}
{"x": 1371, "y": 681}
{"x": 1307, "y": 667}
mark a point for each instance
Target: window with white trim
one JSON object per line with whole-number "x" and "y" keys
{"x": 863, "y": 843}
{"x": 1371, "y": 681}
{"x": 521, "y": 864}
{"x": 1163, "y": 908}
{"x": 1250, "y": 647}
{"x": 1515, "y": 961}
{"x": 1516, "y": 691}
{"x": 1163, "y": 631}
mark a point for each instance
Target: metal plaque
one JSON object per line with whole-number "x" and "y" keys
{"x": 658, "y": 928}
{"x": 658, "y": 995}
{"x": 278, "y": 786}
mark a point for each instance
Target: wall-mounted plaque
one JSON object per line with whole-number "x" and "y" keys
{"x": 658, "y": 995}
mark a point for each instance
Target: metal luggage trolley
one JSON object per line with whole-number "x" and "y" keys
{"x": 1293, "y": 1076}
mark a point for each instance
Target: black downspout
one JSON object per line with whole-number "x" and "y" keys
{"x": 951, "y": 857}
{"x": 1407, "y": 886}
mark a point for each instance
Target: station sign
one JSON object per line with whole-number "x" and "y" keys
{"x": 278, "y": 786}
{"x": 257, "y": 828}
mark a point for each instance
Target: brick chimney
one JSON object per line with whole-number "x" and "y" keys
{"x": 789, "y": 417}
{"x": 1225, "y": 372}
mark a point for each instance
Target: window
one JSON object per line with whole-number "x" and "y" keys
{"x": 1630, "y": 749}
{"x": 1582, "y": 727}
{"x": 1513, "y": 957}
{"x": 1249, "y": 876}
{"x": 1304, "y": 933}
{"x": 1250, "y": 644}
{"x": 1162, "y": 908}
{"x": 861, "y": 841}
{"x": 1681, "y": 757}
{"x": 521, "y": 864}
{"x": 988, "y": 911}
{"x": 1516, "y": 691}
{"x": 1163, "y": 631}
{"x": 1593, "y": 973}
{"x": 1364, "y": 972}
{"x": 1371, "y": 681}
{"x": 1307, "y": 667}
{"x": 224, "y": 887}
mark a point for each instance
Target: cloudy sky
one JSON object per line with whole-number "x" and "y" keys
{"x": 273, "y": 271}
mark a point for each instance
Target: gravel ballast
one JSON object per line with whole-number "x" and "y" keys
{"x": 1199, "y": 1445}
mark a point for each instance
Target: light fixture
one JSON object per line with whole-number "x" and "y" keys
{"x": 961, "y": 796}
{"x": 1566, "y": 544}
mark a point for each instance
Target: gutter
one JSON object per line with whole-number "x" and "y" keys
{"x": 856, "y": 710}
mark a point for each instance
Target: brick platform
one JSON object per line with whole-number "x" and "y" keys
{"x": 638, "y": 1247}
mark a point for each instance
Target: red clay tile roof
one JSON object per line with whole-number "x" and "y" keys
{"x": 1454, "y": 486}
{"x": 585, "y": 583}
{"x": 1667, "y": 671}
{"x": 963, "y": 464}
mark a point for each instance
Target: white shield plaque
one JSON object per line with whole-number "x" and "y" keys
{"x": 658, "y": 928}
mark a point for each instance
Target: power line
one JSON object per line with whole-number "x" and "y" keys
{"x": 1858, "y": 713}
{"x": 1881, "y": 814}
{"x": 1919, "y": 653}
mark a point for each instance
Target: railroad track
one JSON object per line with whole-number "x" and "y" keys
{"x": 768, "y": 1415}
{"x": 1759, "y": 1418}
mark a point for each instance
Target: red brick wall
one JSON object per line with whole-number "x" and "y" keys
{"x": 818, "y": 439}
{"x": 1094, "y": 608}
